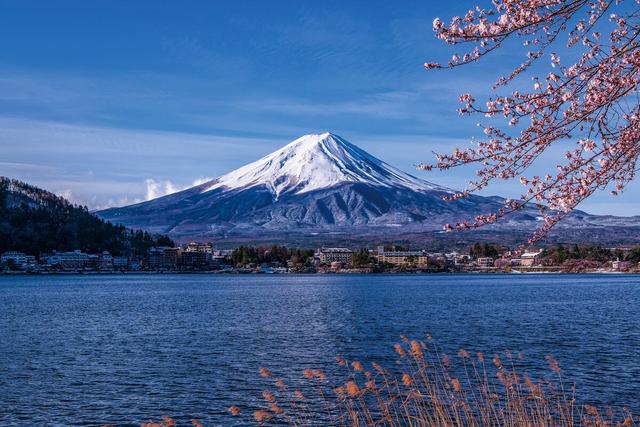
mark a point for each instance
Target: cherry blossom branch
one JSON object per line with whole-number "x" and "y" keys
{"x": 592, "y": 102}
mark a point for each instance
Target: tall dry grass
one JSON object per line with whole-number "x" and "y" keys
{"x": 429, "y": 388}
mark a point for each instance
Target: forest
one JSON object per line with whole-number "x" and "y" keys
{"x": 36, "y": 221}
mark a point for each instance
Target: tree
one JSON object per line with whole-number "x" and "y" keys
{"x": 634, "y": 255}
{"x": 485, "y": 251}
{"x": 362, "y": 258}
{"x": 591, "y": 101}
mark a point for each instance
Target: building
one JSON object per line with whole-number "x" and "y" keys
{"x": 529, "y": 259}
{"x": 331, "y": 255}
{"x": 18, "y": 259}
{"x": 120, "y": 262}
{"x": 459, "y": 259}
{"x": 93, "y": 262}
{"x": 197, "y": 256}
{"x": 620, "y": 265}
{"x": 401, "y": 257}
{"x": 105, "y": 261}
{"x": 164, "y": 257}
{"x": 199, "y": 247}
{"x": 195, "y": 259}
{"x": 74, "y": 260}
{"x": 219, "y": 257}
{"x": 484, "y": 262}
{"x": 502, "y": 263}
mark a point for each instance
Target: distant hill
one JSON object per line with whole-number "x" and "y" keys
{"x": 33, "y": 220}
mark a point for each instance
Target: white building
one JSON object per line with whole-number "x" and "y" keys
{"x": 200, "y": 247}
{"x": 484, "y": 262}
{"x": 68, "y": 260}
{"x": 620, "y": 265}
{"x": 529, "y": 259}
{"x": 461, "y": 259}
{"x": 330, "y": 255}
{"x": 19, "y": 259}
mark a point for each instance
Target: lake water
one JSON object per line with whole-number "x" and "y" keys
{"x": 86, "y": 350}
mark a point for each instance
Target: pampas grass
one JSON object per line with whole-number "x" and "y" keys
{"x": 425, "y": 388}
{"x": 428, "y": 388}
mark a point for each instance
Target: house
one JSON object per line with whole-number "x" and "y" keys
{"x": 529, "y": 259}
{"x": 461, "y": 259}
{"x": 135, "y": 264}
{"x": 331, "y": 255}
{"x": 618, "y": 265}
{"x": 484, "y": 262}
{"x": 18, "y": 259}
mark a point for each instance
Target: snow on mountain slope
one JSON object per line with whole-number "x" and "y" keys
{"x": 318, "y": 185}
{"x": 317, "y": 182}
{"x": 318, "y": 161}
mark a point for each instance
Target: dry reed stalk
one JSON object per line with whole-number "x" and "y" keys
{"x": 434, "y": 390}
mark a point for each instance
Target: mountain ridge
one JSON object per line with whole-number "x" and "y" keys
{"x": 319, "y": 184}
{"x": 316, "y": 161}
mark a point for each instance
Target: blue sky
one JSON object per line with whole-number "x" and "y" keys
{"x": 112, "y": 102}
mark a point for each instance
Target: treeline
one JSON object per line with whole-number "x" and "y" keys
{"x": 486, "y": 251}
{"x": 249, "y": 255}
{"x": 559, "y": 254}
{"x": 34, "y": 221}
{"x": 281, "y": 255}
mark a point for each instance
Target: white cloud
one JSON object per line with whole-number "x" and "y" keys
{"x": 200, "y": 180}
{"x": 104, "y": 167}
{"x": 107, "y": 167}
{"x": 157, "y": 189}
{"x": 67, "y": 194}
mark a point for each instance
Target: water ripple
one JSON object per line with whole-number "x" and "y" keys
{"x": 87, "y": 350}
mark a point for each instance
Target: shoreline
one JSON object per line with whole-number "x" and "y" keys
{"x": 341, "y": 273}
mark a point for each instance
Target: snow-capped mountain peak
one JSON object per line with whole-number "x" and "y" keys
{"x": 319, "y": 188}
{"x": 314, "y": 162}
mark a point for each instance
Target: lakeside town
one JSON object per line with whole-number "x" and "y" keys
{"x": 205, "y": 257}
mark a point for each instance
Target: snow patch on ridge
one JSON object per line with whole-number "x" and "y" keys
{"x": 318, "y": 161}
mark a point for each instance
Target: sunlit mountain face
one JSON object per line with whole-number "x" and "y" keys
{"x": 319, "y": 187}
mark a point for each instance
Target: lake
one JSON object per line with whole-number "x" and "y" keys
{"x": 120, "y": 349}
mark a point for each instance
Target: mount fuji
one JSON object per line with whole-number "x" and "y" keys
{"x": 318, "y": 188}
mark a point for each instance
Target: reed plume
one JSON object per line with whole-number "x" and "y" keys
{"x": 427, "y": 388}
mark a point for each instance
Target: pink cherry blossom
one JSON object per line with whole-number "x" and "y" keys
{"x": 591, "y": 103}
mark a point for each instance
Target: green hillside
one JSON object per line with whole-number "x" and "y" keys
{"x": 33, "y": 220}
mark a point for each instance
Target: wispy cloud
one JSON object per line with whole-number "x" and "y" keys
{"x": 157, "y": 189}
{"x": 105, "y": 167}
{"x": 100, "y": 166}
